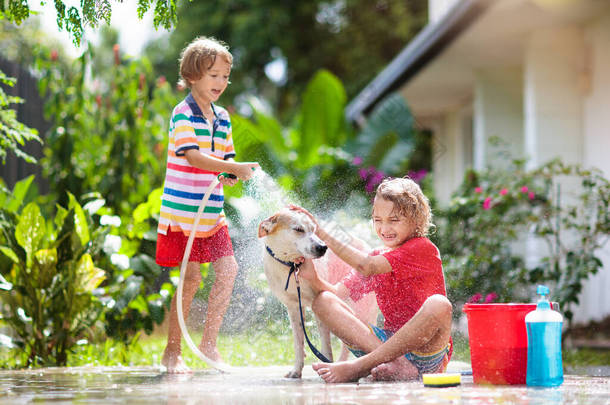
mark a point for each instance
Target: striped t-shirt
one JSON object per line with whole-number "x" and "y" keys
{"x": 185, "y": 185}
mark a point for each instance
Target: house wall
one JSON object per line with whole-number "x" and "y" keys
{"x": 553, "y": 96}
{"x": 595, "y": 299}
{"x": 498, "y": 112}
{"x": 557, "y": 104}
{"x": 437, "y": 9}
{"x": 452, "y": 135}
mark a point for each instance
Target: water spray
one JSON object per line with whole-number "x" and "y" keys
{"x": 187, "y": 253}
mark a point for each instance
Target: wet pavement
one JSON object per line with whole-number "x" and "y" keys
{"x": 265, "y": 385}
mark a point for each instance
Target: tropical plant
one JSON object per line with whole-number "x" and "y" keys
{"x": 320, "y": 157}
{"x": 48, "y": 276}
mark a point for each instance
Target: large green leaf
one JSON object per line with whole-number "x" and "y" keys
{"x": 19, "y": 192}
{"x": 253, "y": 144}
{"x": 5, "y": 285}
{"x": 89, "y": 276}
{"x": 152, "y": 206}
{"x": 272, "y": 130}
{"x": 322, "y": 119}
{"x": 80, "y": 220}
{"x": 388, "y": 139}
{"x": 31, "y": 228}
{"x": 46, "y": 263}
{"x": 8, "y": 252}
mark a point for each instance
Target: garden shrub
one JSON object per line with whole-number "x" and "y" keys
{"x": 48, "y": 277}
{"x": 483, "y": 232}
{"x": 109, "y": 139}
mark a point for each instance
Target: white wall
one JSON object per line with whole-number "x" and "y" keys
{"x": 498, "y": 112}
{"x": 437, "y": 9}
{"x": 452, "y": 134}
{"x": 595, "y": 299}
{"x": 553, "y": 96}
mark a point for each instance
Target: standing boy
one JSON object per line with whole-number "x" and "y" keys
{"x": 200, "y": 147}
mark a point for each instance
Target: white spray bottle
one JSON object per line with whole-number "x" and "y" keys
{"x": 544, "y": 366}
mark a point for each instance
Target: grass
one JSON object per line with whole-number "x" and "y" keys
{"x": 255, "y": 349}
{"x": 243, "y": 350}
{"x": 258, "y": 348}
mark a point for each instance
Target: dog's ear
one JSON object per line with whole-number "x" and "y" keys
{"x": 266, "y": 227}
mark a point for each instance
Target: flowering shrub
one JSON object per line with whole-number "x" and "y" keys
{"x": 484, "y": 230}
{"x": 478, "y": 298}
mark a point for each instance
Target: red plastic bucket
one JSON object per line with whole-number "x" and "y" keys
{"x": 498, "y": 342}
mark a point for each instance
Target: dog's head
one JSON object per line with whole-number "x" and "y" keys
{"x": 290, "y": 234}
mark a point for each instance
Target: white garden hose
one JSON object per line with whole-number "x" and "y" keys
{"x": 187, "y": 253}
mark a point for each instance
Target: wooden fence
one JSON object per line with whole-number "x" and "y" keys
{"x": 30, "y": 113}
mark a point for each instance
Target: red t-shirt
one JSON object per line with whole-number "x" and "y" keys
{"x": 417, "y": 273}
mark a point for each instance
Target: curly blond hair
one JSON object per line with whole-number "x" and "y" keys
{"x": 409, "y": 201}
{"x": 199, "y": 56}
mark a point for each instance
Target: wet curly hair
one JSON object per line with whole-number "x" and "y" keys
{"x": 409, "y": 201}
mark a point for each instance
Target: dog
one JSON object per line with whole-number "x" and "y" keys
{"x": 289, "y": 235}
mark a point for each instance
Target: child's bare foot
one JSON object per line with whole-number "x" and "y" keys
{"x": 399, "y": 369}
{"x": 344, "y": 371}
{"x": 174, "y": 363}
{"x": 211, "y": 352}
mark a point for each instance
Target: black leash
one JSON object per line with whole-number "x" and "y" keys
{"x": 294, "y": 269}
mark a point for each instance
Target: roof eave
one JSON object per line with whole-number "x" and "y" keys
{"x": 421, "y": 50}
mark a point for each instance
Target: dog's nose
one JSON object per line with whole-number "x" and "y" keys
{"x": 321, "y": 249}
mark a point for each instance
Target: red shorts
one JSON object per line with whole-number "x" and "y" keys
{"x": 170, "y": 248}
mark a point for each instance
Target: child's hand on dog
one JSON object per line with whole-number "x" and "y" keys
{"x": 306, "y": 270}
{"x": 304, "y": 211}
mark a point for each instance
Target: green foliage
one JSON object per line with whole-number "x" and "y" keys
{"x": 48, "y": 276}
{"x": 90, "y": 14}
{"x": 133, "y": 301}
{"x": 353, "y": 39}
{"x": 110, "y": 137}
{"x": 479, "y": 229}
{"x": 482, "y": 233}
{"x": 575, "y": 226}
{"x": 13, "y": 134}
{"x": 388, "y": 140}
{"x": 320, "y": 154}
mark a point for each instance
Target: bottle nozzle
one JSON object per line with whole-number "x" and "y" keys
{"x": 543, "y": 302}
{"x": 542, "y": 290}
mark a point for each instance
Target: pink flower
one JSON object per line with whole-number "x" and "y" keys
{"x": 417, "y": 175}
{"x": 531, "y": 195}
{"x": 357, "y": 161}
{"x": 490, "y": 297}
{"x": 503, "y": 191}
{"x": 377, "y": 177}
{"x": 478, "y": 190}
{"x": 524, "y": 189}
{"x": 363, "y": 173}
{"x": 487, "y": 203}
{"x": 475, "y": 298}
